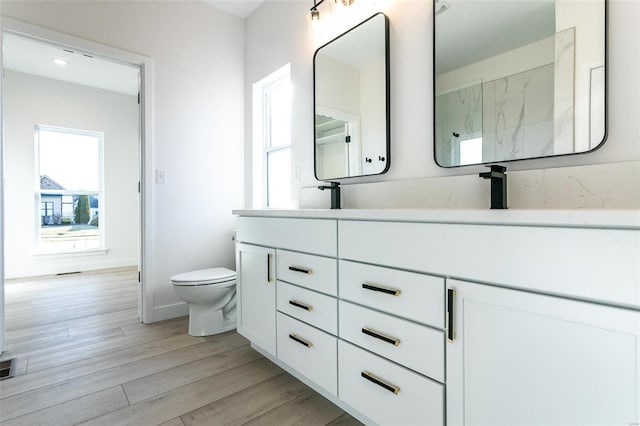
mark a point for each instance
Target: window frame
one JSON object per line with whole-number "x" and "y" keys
{"x": 263, "y": 145}
{"x": 40, "y": 248}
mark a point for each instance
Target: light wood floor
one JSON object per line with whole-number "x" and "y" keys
{"x": 84, "y": 358}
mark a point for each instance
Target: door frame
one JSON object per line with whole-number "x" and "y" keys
{"x": 145, "y": 145}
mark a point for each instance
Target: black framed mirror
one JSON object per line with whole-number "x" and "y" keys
{"x": 351, "y": 102}
{"x": 518, "y": 79}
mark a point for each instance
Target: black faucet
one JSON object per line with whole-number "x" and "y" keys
{"x": 498, "y": 178}
{"x": 335, "y": 194}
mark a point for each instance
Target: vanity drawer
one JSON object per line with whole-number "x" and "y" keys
{"x": 418, "y": 347}
{"x": 387, "y": 393}
{"x": 314, "y": 272}
{"x": 410, "y": 295}
{"x": 310, "y": 351}
{"x": 313, "y": 308}
{"x": 309, "y": 235}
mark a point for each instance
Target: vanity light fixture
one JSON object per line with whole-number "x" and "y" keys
{"x": 60, "y": 61}
{"x": 315, "y": 13}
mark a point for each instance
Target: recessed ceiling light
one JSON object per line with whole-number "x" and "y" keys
{"x": 60, "y": 61}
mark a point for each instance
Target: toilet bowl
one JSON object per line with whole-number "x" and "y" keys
{"x": 211, "y": 295}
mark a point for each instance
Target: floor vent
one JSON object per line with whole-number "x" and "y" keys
{"x": 7, "y": 368}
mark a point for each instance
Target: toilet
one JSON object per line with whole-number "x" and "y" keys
{"x": 211, "y": 295}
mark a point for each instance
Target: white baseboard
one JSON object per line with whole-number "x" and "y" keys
{"x": 46, "y": 265}
{"x": 161, "y": 313}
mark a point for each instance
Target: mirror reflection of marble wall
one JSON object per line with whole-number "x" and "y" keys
{"x": 518, "y": 79}
{"x": 350, "y": 96}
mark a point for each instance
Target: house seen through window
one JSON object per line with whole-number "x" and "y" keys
{"x": 70, "y": 190}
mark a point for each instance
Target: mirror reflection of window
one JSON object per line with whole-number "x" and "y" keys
{"x": 471, "y": 151}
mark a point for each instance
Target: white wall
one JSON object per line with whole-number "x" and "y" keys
{"x": 341, "y": 88}
{"x": 197, "y": 117}
{"x": 279, "y": 33}
{"x": 31, "y": 100}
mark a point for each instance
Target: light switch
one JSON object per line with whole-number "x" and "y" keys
{"x": 161, "y": 177}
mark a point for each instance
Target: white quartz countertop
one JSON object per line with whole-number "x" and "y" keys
{"x": 615, "y": 219}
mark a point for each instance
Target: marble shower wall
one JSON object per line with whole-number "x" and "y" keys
{"x": 514, "y": 116}
{"x": 518, "y": 115}
{"x": 524, "y": 115}
{"x": 457, "y": 112}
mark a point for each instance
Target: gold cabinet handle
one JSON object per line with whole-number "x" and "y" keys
{"x": 300, "y": 305}
{"x": 269, "y": 278}
{"x": 381, "y": 289}
{"x": 301, "y": 269}
{"x": 300, "y": 340}
{"x": 382, "y": 383}
{"x": 451, "y": 330}
{"x": 384, "y": 337}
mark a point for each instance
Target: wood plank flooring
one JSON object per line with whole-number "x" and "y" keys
{"x": 84, "y": 358}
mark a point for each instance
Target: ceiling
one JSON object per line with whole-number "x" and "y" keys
{"x": 239, "y": 8}
{"x": 34, "y": 57}
{"x": 360, "y": 46}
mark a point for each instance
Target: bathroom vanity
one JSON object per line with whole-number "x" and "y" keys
{"x": 449, "y": 317}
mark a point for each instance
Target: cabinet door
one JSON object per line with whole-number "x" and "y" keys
{"x": 520, "y": 358}
{"x": 256, "y": 291}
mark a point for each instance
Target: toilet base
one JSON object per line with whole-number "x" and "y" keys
{"x": 204, "y": 321}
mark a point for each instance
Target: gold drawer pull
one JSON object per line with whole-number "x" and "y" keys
{"x": 451, "y": 330}
{"x": 381, "y": 289}
{"x": 300, "y": 340}
{"x": 300, "y": 269}
{"x": 385, "y": 338}
{"x": 378, "y": 381}
{"x": 300, "y": 305}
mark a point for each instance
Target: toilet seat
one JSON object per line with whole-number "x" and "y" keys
{"x": 218, "y": 276}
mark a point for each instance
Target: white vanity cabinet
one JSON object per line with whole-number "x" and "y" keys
{"x": 391, "y": 352}
{"x": 405, "y": 318}
{"x": 307, "y": 316}
{"x": 385, "y": 392}
{"x": 256, "y": 295}
{"x": 287, "y": 283}
{"x": 530, "y": 359}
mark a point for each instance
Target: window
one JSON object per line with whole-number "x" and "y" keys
{"x": 272, "y": 140}
{"x": 69, "y": 190}
{"x": 46, "y": 210}
{"x": 471, "y": 151}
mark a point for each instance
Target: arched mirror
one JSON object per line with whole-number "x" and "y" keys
{"x": 351, "y": 102}
{"x": 518, "y": 79}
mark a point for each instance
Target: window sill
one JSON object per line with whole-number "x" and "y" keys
{"x": 76, "y": 253}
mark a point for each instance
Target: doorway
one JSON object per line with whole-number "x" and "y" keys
{"x": 59, "y": 88}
